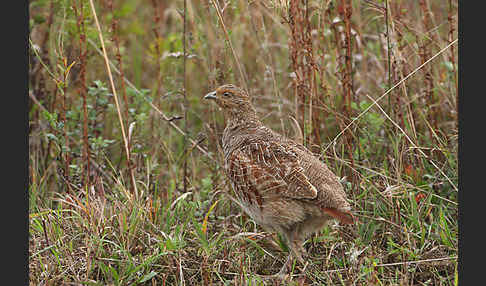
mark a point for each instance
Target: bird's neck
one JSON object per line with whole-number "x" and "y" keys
{"x": 242, "y": 118}
{"x": 238, "y": 125}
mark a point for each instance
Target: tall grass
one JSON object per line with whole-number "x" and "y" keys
{"x": 372, "y": 86}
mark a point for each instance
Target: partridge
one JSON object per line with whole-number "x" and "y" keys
{"x": 280, "y": 184}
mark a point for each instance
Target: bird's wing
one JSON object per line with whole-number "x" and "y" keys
{"x": 270, "y": 168}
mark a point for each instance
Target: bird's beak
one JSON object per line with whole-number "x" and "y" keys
{"x": 211, "y": 95}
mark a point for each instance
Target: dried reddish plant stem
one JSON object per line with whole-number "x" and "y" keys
{"x": 315, "y": 114}
{"x": 302, "y": 59}
{"x": 67, "y": 157}
{"x": 402, "y": 108}
{"x": 314, "y": 69}
{"x": 323, "y": 95}
{"x": 309, "y": 63}
{"x": 184, "y": 94}
{"x": 388, "y": 51}
{"x": 343, "y": 43}
{"x": 349, "y": 92}
{"x": 82, "y": 90}
{"x": 116, "y": 40}
{"x": 348, "y": 81}
{"x": 114, "y": 28}
{"x": 155, "y": 30}
{"x": 424, "y": 55}
{"x": 399, "y": 68}
{"x": 395, "y": 110}
{"x": 336, "y": 44}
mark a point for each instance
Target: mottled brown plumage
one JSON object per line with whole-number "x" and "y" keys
{"x": 277, "y": 182}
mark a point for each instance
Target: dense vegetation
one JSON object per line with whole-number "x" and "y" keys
{"x": 372, "y": 86}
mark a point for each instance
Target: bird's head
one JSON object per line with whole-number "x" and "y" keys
{"x": 230, "y": 98}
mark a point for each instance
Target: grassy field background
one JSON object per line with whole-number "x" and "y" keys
{"x": 371, "y": 84}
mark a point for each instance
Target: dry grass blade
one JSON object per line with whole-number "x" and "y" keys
{"x": 206, "y": 217}
{"x": 298, "y": 135}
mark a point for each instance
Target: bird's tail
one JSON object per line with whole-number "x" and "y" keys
{"x": 345, "y": 217}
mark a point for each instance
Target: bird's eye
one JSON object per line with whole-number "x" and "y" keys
{"x": 227, "y": 94}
